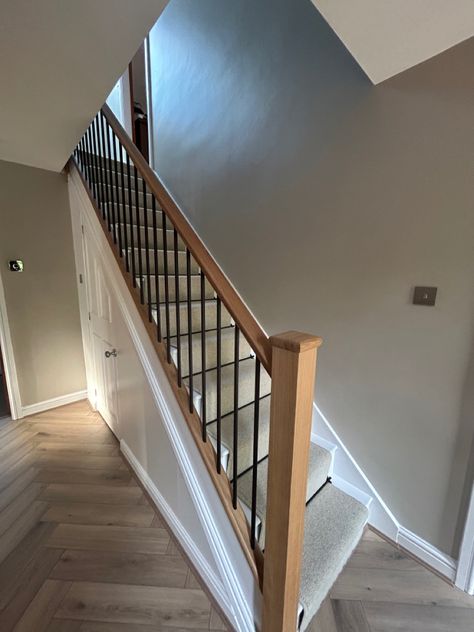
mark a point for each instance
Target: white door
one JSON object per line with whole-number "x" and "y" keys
{"x": 103, "y": 349}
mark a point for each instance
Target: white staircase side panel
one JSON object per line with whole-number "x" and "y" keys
{"x": 158, "y": 444}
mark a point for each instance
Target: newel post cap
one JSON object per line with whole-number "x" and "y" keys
{"x": 295, "y": 341}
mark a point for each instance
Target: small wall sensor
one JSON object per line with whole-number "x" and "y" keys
{"x": 424, "y": 295}
{"x": 16, "y": 265}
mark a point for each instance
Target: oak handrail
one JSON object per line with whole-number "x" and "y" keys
{"x": 237, "y": 309}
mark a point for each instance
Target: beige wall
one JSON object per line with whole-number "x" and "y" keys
{"x": 42, "y": 303}
{"x": 326, "y": 199}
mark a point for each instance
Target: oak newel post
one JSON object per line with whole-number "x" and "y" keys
{"x": 293, "y": 375}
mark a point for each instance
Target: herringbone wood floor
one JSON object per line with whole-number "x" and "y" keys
{"x": 82, "y": 550}
{"x": 382, "y": 589}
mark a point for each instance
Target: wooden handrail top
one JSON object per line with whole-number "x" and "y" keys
{"x": 243, "y": 318}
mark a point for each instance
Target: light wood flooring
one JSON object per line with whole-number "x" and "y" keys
{"x": 82, "y": 550}
{"x": 383, "y": 589}
{"x": 81, "y": 547}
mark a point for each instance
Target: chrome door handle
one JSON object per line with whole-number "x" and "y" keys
{"x": 111, "y": 353}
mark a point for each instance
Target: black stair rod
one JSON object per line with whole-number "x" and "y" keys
{"x": 190, "y": 327}
{"x": 125, "y": 232}
{"x": 130, "y": 217}
{"x": 167, "y": 291}
{"x": 177, "y": 302}
{"x": 88, "y": 161}
{"x": 104, "y": 167}
{"x": 111, "y": 191}
{"x": 255, "y": 453}
{"x": 94, "y": 162}
{"x": 147, "y": 253}
{"x": 139, "y": 237}
{"x": 236, "y": 417}
{"x": 117, "y": 193}
{"x": 155, "y": 262}
{"x": 100, "y": 183}
{"x": 105, "y": 192}
{"x": 219, "y": 386}
{"x": 203, "y": 354}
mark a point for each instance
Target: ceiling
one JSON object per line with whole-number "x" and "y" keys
{"x": 58, "y": 62}
{"x": 388, "y": 36}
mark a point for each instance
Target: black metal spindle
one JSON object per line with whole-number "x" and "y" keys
{"x": 100, "y": 166}
{"x": 124, "y": 215}
{"x": 219, "y": 384}
{"x": 256, "y": 417}
{"x": 139, "y": 237}
{"x": 236, "y": 417}
{"x": 167, "y": 291}
{"x": 94, "y": 162}
{"x": 118, "y": 192}
{"x": 155, "y": 263}
{"x": 105, "y": 174}
{"x": 91, "y": 158}
{"x": 82, "y": 155}
{"x": 130, "y": 223}
{"x": 177, "y": 302}
{"x": 88, "y": 160}
{"x": 203, "y": 356}
{"x": 147, "y": 251}
{"x": 116, "y": 227}
{"x": 190, "y": 329}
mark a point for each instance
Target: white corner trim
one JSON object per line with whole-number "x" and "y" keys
{"x": 211, "y": 580}
{"x": 6, "y": 347}
{"x": 55, "y": 402}
{"x": 465, "y": 571}
{"x": 350, "y": 478}
{"x": 427, "y": 553}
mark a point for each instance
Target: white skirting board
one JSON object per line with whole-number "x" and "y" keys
{"x": 426, "y": 552}
{"x": 55, "y": 402}
{"x": 205, "y": 571}
{"x": 350, "y": 478}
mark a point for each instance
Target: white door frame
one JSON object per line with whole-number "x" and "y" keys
{"x": 149, "y": 103}
{"x": 465, "y": 571}
{"x": 11, "y": 377}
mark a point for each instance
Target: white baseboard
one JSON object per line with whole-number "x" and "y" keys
{"x": 427, "y": 553}
{"x": 211, "y": 580}
{"x": 349, "y": 477}
{"x": 55, "y": 402}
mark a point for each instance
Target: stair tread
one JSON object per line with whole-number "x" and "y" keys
{"x": 334, "y": 524}
{"x": 246, "y": 387}
{"x": 318, "y": 469}
{"x": 246, "y": 425}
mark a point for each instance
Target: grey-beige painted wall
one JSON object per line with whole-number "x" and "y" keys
{"x": 326, "y": 199}
{"x": 42, "y": 303}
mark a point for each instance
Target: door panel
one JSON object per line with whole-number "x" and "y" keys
{"x": 101, "y": 336}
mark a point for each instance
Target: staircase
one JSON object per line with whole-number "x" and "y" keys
{"x": 245, "y": 397}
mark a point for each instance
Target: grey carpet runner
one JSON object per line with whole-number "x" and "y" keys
{"x": 334, "y": 521}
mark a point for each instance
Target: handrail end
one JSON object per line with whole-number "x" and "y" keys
{"x": 295, "y": 341}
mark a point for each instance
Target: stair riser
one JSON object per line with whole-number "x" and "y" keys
{"x": 183, "y": 289}
{"x": 161, "y": 260}
{"x": 159, "y": 236}
{"x": 119, "y": 196}
{"x": 195, "y": 318}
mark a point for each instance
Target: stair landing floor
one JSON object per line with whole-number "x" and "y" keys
{"x": 81, "y": 547}
{"x": 383, "y": 589}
